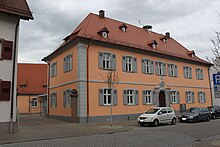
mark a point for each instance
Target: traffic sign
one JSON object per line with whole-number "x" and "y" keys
{"x": 216, "y": 79}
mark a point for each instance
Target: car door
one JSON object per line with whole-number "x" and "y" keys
{"x": 163, "y": 115}
{"x": 217, "y": 111}
{"x": 170, "y": 114}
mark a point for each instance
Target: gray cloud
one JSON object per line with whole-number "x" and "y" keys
{"x": 192, "y": 23}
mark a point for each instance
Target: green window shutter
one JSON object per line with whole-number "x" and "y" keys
{"x": 178, "y": 97}
{"x": 113, "y": 61}
{"x": 123, "y": 63}
{"x": 115, "y": 97}
{"x": 125, "y": 97}
{"x": 55, "y": 103}
{"x": 170, "y": 97}
{"x": 169, "y": 69}
{"x": 55, "y": 66}
{"x": 202, "y": 76}
{"x": 100, "y": 60}
{"x": 199, "y": 98}
{"x": 143, "y": 67}
{"x": 176, "y": 71}
{"x": 144, "y": 97}
{"x": 184, "y": 72}
{"x": 134, "y": 64}
{"x": 71, "y": 62}
{"x": 190, "y": 73}
{"x": 186, "y": 97}
{"x": 50, "y": 100}
{"x": 164, "y": 68}
{"x": 64, "y": 98}
{"x": 64, "y": 64}
{"x": 197, "y": 77}
{"x": 136, "y": 97}
{"x": 193, "y": 99}
{"x": 152, "y": 67}
{"x": 101, "y": 97}
{"x": 204, "y": 97}
{"x": 156, "y": 66}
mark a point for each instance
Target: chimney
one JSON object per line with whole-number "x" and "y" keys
{"x": 102, "y": 14}
{"x": 167, "y": 35}
{"x": 148, "y": 27}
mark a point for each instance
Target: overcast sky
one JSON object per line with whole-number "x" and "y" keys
{"x": 191, "y": 23}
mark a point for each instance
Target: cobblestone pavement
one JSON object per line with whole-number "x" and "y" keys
{"x": 38, "y": 131}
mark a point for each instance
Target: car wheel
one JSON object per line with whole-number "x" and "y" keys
{"x": 155, "y": 123}
{"x": 173, "y": 121}
{"x": 142, "y": 124}
{"x": 213, "y": 116}
{"x": 208, "y": 118}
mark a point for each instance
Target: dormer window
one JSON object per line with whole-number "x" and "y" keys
{"x": 163, "y": 38}
{"x": 123, "y": 27}
{"x": 153, "y": 44}
{"x": 191, "y": 53}
{"x": 103, "y": 32}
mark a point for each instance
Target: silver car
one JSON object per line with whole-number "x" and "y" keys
{"x": 157, "y": 115}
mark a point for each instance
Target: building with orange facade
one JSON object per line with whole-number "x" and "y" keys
{"x": 153, "y": 70}
{"x": 32, "y": 88}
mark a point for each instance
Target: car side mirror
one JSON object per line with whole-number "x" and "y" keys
{"x": 159, "y": 113}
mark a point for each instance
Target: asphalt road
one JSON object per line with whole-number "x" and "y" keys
{"x": 182, "y": 134}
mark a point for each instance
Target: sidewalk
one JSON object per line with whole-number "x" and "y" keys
{"x": 41, "y": 128}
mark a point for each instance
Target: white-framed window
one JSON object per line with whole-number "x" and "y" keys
{"x": 189, "y": 97}
{"x": 53, "y": 70}
{"x": 67, "y": 98}
{"x": 107, "y": 60}
{"x": 104, "y": 34}
{"x": 129, "y": 64}
{"x": 201, "y": 97}
{"x": 107, "y": 97}
{"x": 53, "y": 99}
{"x": 147, "y": 94}
{"x": 172, "y": 70}
{"x": 34, "y": 102}
{"x": 130, "y": 97}
{"x": 199, "y": 74}
{"x": 174, "y": 97}
{"x": 68, "y": 63}
{"x": 160, "y": 68}
{"x": 187, "y": 72}
{"x": 147, "y": 66}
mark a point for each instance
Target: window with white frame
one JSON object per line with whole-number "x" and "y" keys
{"x": 53, "y": 101}
{"x": 147, "y": 66}
{"x": 199, "y": 74}
{"x": 189, "y": 97}
{"x": 160, "y": 68}
{"x": 107, "y": 97}
{"x": 68, "y": 63}
{"x": 34, "y": 102}
{"x": 148, "y": 97}
{"x": 130, "y": 97}
{"x": 187, "y": 72}
{"x": 174, "y": 97}
{"x": 67, "y": 98}
{"x": 172, "y": 70}
{"x": 53, "y": 69}
{"x": 128, "y": 64}
{"x": 106, "y": 61}
{"x": 201, "y": 97}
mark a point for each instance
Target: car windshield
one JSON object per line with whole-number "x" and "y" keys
{"x": 192, "y": 110}
{"x": 152, "y": 111}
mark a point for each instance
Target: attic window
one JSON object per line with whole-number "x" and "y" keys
{"x": 123, "y": 27}
{"x": 23, "y": 84}
{"x": 191, "y": 53}
{"x": 103, "y": 32}
{"x": 163, "y": 38}
{"x": 153, "y": 44}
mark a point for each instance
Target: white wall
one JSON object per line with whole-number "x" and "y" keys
{"x": 7, "y": 31}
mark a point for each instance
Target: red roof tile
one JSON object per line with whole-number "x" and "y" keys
{"x": 32, "y": 78}
{"x": 17, "y": 7}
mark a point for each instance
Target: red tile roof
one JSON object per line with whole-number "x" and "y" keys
{"x": 34, "y": 76}
{"x": 134, "y": 36}
{"x": 16, "y": 7}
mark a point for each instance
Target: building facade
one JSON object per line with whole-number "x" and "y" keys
{"x": 10, "y": 14}
{"x": 153, "y": 70}
{"x": 31, "y": 87}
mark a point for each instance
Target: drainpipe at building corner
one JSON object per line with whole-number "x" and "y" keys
{"x": 87, "y": 77}
{"x": 11, "y": 130}
{"x": 210, "y": 86}
{"x": 48, "y": 88}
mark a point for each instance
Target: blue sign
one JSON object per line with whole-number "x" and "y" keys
{"x": 216, "y": 79}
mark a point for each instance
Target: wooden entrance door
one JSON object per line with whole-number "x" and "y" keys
{"x": 162, "y": 100}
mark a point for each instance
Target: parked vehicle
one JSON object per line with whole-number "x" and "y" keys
{"x": 157, "y": 115}
{"x": 215, "y": 111}
{"x": 195, "y": 114}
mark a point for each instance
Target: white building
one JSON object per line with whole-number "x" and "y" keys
{"x": 11, "y": 12}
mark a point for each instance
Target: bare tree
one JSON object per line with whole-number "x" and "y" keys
{"x": 111, "y": 79}
{"x": 216, "y": 51}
